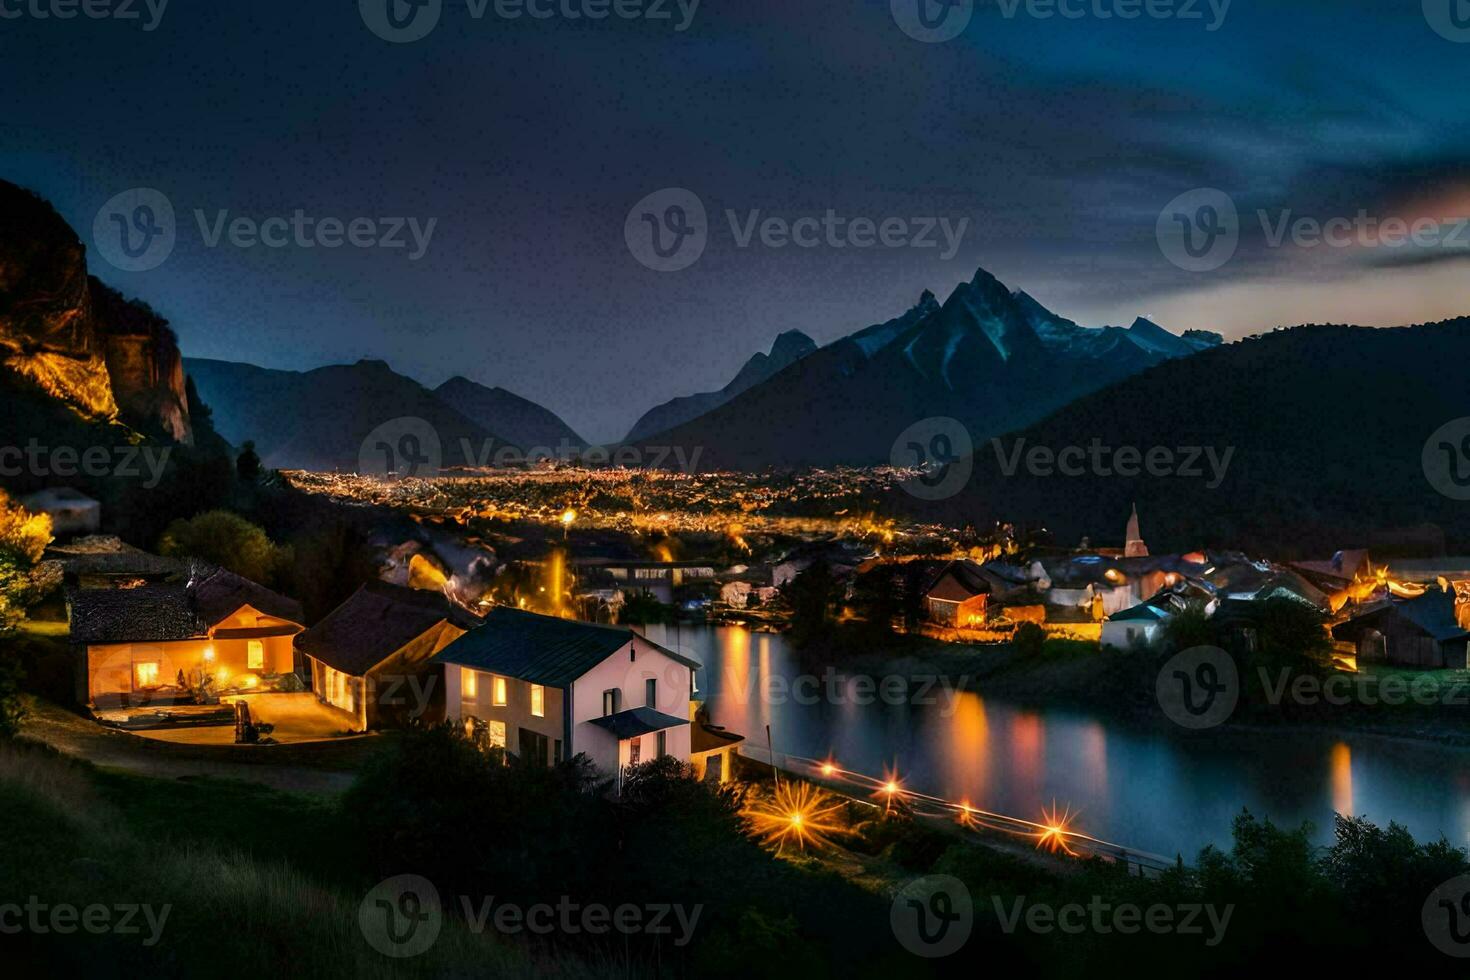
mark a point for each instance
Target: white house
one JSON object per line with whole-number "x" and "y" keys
{"x": 1140, "y": 624}
{"x": 549, "y": 688}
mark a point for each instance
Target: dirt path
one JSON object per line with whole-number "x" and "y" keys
{"x": 326, "y": 767}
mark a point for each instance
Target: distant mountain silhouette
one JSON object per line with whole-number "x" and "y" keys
{"x": 520, "y": 420}
{"x": 789, "y": 348}
{"x": 1328, "y": 426}
{"x": 990, "y": 358}
{"x": 319, "y": 419}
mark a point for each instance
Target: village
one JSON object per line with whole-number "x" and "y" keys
{"x": 540, "y": 655}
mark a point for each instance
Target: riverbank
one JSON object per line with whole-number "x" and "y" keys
{"x": 1426, "y": 706}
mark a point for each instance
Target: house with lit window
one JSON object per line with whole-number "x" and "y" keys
{"x": 959, "y": 596}
{"x": 205, "y": 631}
{"x": 371, "y": 657}
{"x": 547, "y": 689}
{"x": 1429, "y": 631}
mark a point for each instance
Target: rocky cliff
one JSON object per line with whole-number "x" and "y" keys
{"x": 79, "y": 340}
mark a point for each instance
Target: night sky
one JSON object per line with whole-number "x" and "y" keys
{"x": 529, "y": 141}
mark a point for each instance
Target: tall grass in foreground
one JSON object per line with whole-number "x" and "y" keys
{"x": 230, "y": 914}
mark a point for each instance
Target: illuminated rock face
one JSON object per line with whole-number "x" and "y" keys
{"x": 77, "y": 339}
{"x": 143, "y": 363}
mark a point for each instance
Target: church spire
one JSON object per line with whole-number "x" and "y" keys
{"x": 1133, "y": 546}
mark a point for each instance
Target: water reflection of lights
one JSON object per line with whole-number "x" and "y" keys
{"x": 1342, "y": 779}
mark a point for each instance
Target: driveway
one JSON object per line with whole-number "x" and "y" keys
{"x": 309, "y": 767}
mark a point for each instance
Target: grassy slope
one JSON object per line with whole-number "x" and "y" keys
{"x": 250, "y": 874}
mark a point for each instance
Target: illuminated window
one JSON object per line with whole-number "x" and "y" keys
{"x": 255, "y": 655}
{"x": 538, "y": 700}
{"x": 635, "y": 751}
{"x": 498, "y": 694}
{"x": 470, "y": 682}
{"x": 497, "y": 734}
{"x": 146, "y": 674}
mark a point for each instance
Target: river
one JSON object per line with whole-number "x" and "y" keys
{"x": 1150, "y": 790}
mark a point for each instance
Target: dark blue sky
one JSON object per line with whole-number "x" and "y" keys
{"x": 1058, "y": 140}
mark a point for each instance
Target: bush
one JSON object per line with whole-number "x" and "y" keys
{"x": 1029, "y": 639}
{"x": 23, "y": 538}
{"x": 228, "y": 540}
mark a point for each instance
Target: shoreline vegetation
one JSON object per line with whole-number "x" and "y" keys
{"x": 1119, "y": 685}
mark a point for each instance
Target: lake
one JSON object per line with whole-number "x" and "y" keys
{"x": 1151, "y": 790}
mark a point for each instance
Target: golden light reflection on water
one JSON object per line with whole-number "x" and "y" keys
{"x": 968, "y": 757}
{"x": 1095, "y": 758}
{"x": 763, "y": 677}
{"x": 1028, "y": 751}
{"x": 1342, "y": 779}
{"x": 735, "y": 665}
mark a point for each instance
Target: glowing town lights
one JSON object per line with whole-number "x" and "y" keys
{"x": 828, "y": 769}
{"x": 209, "y": 653}
{"x": 568, "y": 516}
{"x": 890, "y": 787}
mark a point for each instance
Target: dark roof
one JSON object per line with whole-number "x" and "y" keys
{"x": 637, "y": 721}
{"x": 1342, "y": 565}
{"x": 218, "y": 594}
{"x": 961, "y": 581}
{"x": 1433, "y": 612}
{"x": 707, "y": 737}
{"x": 172, "y": 610}
{"x": 101, "y": 557}
{"x": 542, "y": 649}
{"x": 710, "y": 739}
{"x": 376, "y": 622}
{"x": 147, "y": 614}
{"x": 1143, "y": 611}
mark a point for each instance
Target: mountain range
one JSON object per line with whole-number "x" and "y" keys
{"x": 1330, "y": 438}
{"x": 523, "y": 422}
{"x": 993, "y": 359}
{"x": 319, "y": 419}
{"x": 789, "y": 348}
